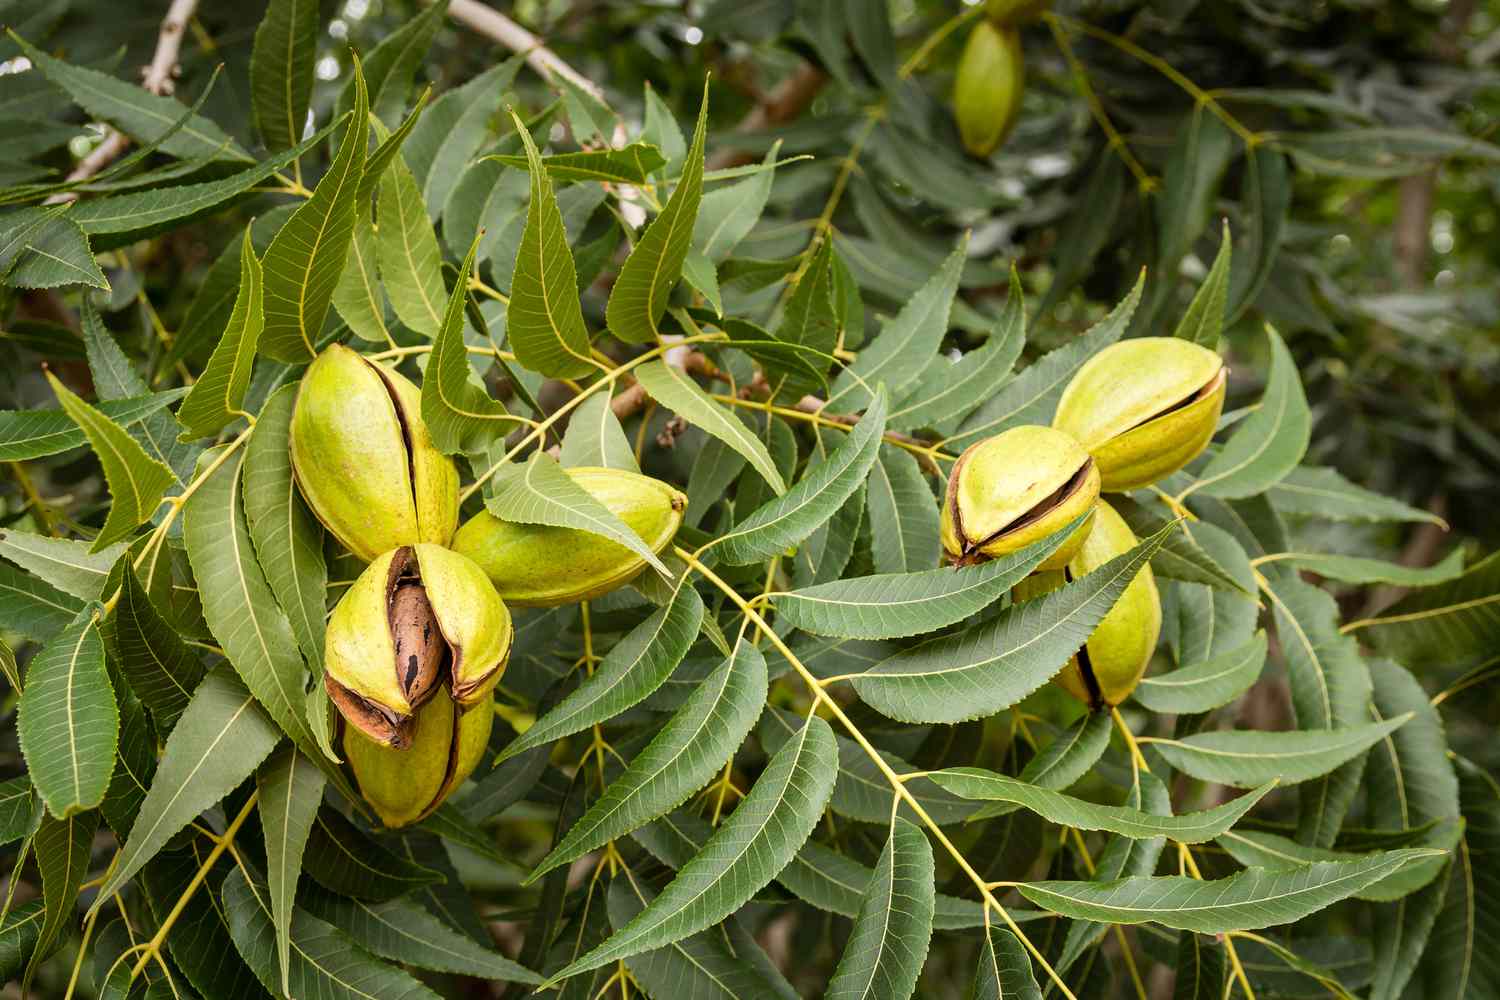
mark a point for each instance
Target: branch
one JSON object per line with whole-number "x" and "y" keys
{"x": 157, "y": 76}
{"x": 496, "y": 26}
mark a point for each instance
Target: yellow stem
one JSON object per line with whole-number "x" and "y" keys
{"x": 935, "y": 39}
{"x": 1143, "y": 179}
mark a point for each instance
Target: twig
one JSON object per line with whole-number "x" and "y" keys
{"x": 158, "y": 77}
{"x": 496, "y": 26}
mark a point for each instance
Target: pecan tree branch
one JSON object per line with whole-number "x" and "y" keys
{"x": 497, "y": 27}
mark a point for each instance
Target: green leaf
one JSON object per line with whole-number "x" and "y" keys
{"x": 63, "y": 847}
{"x": 67, "y": 720}
{"x": 949, "y": 392}
{"x": 822, "y": 877}
{"x": 1032, "y": 395}
{"x": 689, "y": 750}
{"x": 888, "y": 944}
{"x": 1064, "y": 761}
{"x": 20, "y": 930}
{"x": 544, "y": 319}
{"x": 135, "y": 111}
{"x": 1265, "y": 206}
{"x": 35, "y": 609}
{"x": 1202, "y": 621}
{"x": 674, "y": 389}
{"x": 402, "y": 931}
{"x": 137, "y": 482}
{"x": 358, "y": 297}
{"x": 161, "y": 669}
{"x": 906, "y": 341}
{"x": 639, "y": 297}
{"x": 1206, "y": 685}
{"x": 393, "y": 63}
{"x": 123, "y": 218}
{"x": 460, "y": 416}
{"x": 342, "y": 859}
{"x": 464, "y": 120}
{"x": 199, "y": 943}
{"x": 822, "y": 490}
{"x": 1458, "y": 961}
{"x": 220, "y": 739}
{"x": 387, "y": 150}
{"x": 1246, "y": 758}
{"x": 978, "y": 672}
{"x": 810, "y": 321}
{"x": 1267, "y": 444}
{"x": 1330, "y": 687}
{"x": 632, "y": 164}
{"x": 68, "y": 564}
{"x": 903, "y": 514}
{"x": 306, "y": 257}
{"x": 1204, "y": 320}
{"x": 721, "y": 963}
{"x": 595, "y": 438}
{"x": 1201, "y": 969}
{"x": 407, "y": 248}
{"x": 27, "y": 434}
{"x": 238, "y": 603}
{"x": 744, "y": 854}
{"x": 1252, "y": 899}
{"x": 1453, "y": 623}
{"x": 20, "y": 809}
{"x": 1182, "y": 557}
{"x": 894, "y": 605}
{"x": 636, "y": 666}
{"x": 540, "y": 492}
{"x": 290, "y": 790}
{"x": 1354, "y": 569}
{"x": 56, "y": 253}
{"x": 324, "y": 962}
{"x": 218, "y": 395}
{"x": 1004, "y": 971}
{"x": 726, "y": 215}
{"x": 281, "y": 70}
{"x": 1065, "y": 810}
{"x": 1313, "y": 491}
{"x": 288, "y": 539}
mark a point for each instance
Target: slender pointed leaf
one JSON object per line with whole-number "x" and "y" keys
{"x": 888, "y": 945}
{"x": 67, "y": 720}
{"x": 218, "y": 395}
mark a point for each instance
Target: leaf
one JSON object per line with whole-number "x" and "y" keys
{"x": 27, "y": 434}
{"x": 544, "y": 319}
{"x": 402, "y": 931}
{"x": 217, "y": 743}
{"x": 407, "y": 248}
{"x": 888, "y": 944}
{"x": 62, "y": 856}
{"x": 20, "y": 809}
{"x": 1182, "y": 557}
{"x": 727, "y": 214}
{"x": 978, "y": 672}
{"x": 945, "y": 394}
{"x": 639, "y": 297}
{"x": 1330, "y": 688}
{"x": 1004, "y": 970}
{"x": 342, "y": 859}
{"x": 218, "y": 395}
{"x": 1244, "y": 759}
{"x": 474, "y": 123}
{"x": 894, "y": 605}
{"x": 288, "y": 539}
{"x": 35, "y": 609}
{"x": 823, "y": 489}
{"x": 1201, "y": 971}
{"x": 1267, "y": 199}
{"x": 1267, "y": 444}
{"x": 136, "y": 112}
{"x": 1458, "y": 962}
{"x": 907, "y": 340}
{"x": 136, "y": 481}
{"x": 1204, "y": 320}
{"x": 685, "y": 754}
{"x": 281, "y": 70}
{"x": 460, "y": 416}
{"x": 636, "y": 666}
{"x": 306, "y": 257}
{"x": 238, "y": 604}
{"x": 1453, "y": 623}
{"x": 20, "y": 929}
{"x": 1249, "y": 900}
{"x": 745, "y": 852}
{"x": 1032, "y": 395}
{"x": 1065, "y": 810}
{"x": 903, "y": 514}
{"x": 358, "y": 297}
{"x": 199, "y": 943}
{"x": 632, "y": 164}
{"x": 290, "y": 790}
{"x": 65, "y": 563}
{"x": 56, "y": 253}
{"x": 1088, "y": 227}
{"x": 809, "y": 320}
{"x": 324, "y": 962}
{"x": 672, "y": 388}
{"x": 67, "y": 720}
{"x": 540, "y": 492}
{"x": 822, "y": 877}
{"x": 392, "y": 64}
{"x": 161, "y": 669}
{"x": 721, "y": 963}
{"x": 1206, "y": 685}
{"x": 1313, "y": 491}
{"x": 1354, "y": 569}
{"x": 595, "y": 438}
